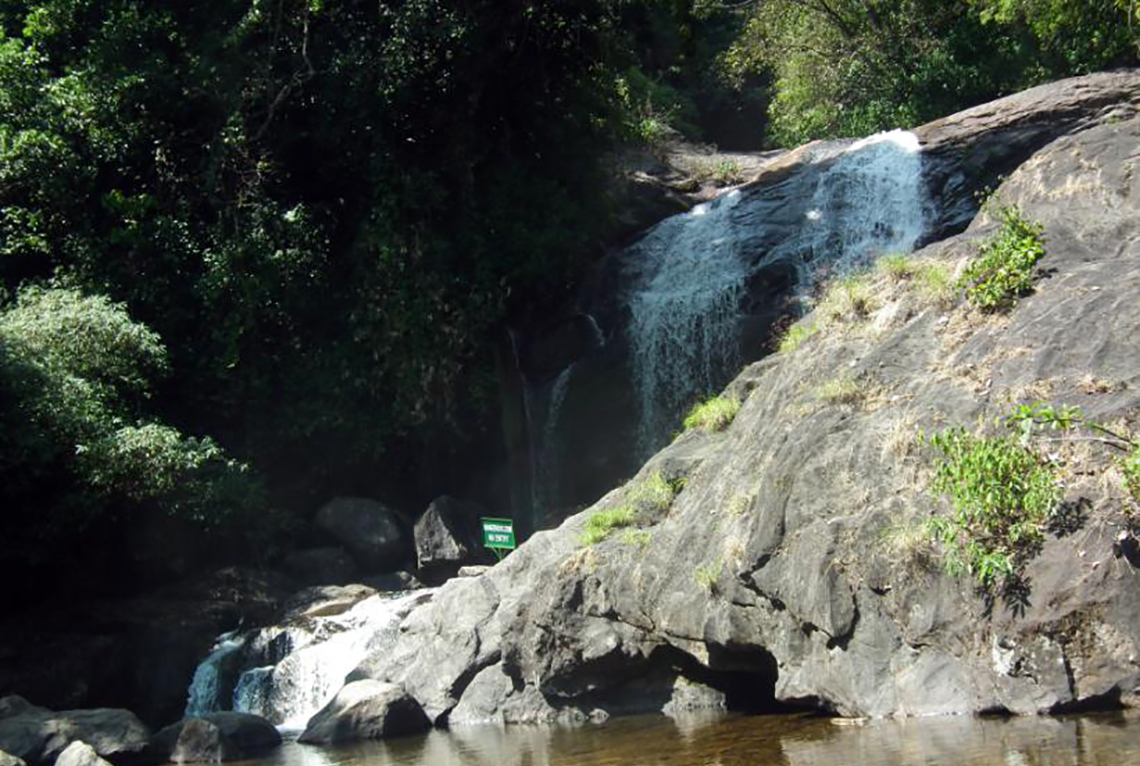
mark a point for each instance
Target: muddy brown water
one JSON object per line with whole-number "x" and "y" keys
{"x": 1103, "y": 739}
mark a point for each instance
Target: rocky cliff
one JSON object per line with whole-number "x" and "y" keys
{"x": 787, "y": 563}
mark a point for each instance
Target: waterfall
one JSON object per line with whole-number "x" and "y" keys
{"x": 288, "y": 674}
{"x": 206, "y": 686}
{"x": 544, "y": 478}
{"x": 689, "y": 282}
{"x": 870, "y": 201}
{"x": 689, "y": 274}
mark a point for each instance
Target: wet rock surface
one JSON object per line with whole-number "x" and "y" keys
{"x": 794, "y": 553}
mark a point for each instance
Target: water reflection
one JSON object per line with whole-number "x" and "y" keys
{"x": 1108, "y": 739}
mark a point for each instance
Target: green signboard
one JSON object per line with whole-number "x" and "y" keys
{"x": 499, "y": 534}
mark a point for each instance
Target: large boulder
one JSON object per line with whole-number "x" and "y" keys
{"x": 80, "y": 754}
{"x": 37, "y": 735}
{"x": 371, "y": 531}
{"x": 366, "y": 710}
{"x": 223, "y": 736}
{"x": 331, "y": 565}
{"x": 793, "y": 566}
{"x": 446, "y": 537}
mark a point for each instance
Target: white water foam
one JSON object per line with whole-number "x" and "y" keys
{"x": 317, "y": 659}
{"x": 205, "y": 688}
{"x": 691, "y": 270}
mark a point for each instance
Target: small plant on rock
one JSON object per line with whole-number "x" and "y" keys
{"x": 651, "y": 497}
{"x": 1003, "y": 494}
{"x": 794, "y": 337}
{"x": 1003, "y": 270}
{"x": 714, "y": 414}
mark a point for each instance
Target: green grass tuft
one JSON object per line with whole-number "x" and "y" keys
{"x": 794, "y": 337}
{"x": 712, "y": 415}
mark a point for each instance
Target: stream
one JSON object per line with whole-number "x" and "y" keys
{"x": 1108, "y": 739}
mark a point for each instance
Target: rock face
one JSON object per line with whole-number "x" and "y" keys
{"x": 366, "y": 710}
{"x": 371, "y": 531}
{"x": 225, "y": 736}
{"x": 38, "y": 736}
{"x": 792, "y": 566}
{"x": 446, "y": 537}
{"x": 597, "y": 436}
{"x": 80, "y": 754}
{"x": 6, "y": 759}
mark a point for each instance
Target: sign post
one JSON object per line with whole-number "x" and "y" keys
{"x": 498, "y": 535}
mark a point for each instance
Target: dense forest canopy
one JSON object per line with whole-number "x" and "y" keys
{"x": 256, "y": 252}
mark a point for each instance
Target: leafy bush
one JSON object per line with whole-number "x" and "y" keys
{"x": 712, "y": 415}
{"x": 1003, "y": 270}
{"x": 1002, "y": 492}
{"x": 76, "y": 374}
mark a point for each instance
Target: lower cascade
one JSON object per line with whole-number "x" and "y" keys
{"x": 690, "y": 272}
{"x": 287, "y": 673}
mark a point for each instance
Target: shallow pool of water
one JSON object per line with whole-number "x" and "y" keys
{"x": 1103, "y": 739}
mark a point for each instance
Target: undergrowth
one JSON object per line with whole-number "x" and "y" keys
{"x": 1004, "y": 268}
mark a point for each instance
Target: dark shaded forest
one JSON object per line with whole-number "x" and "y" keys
{"x": 255, "y": 253}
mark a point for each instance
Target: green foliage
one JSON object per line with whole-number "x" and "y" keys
{"x": 1002, "y": 492}
{"x": 714, "y": 414}
{"x": 931, "y": 279}
{"x": 76, "y": 373}
{"x": 1004, "y": 268}
{"x": 1131, "y": 468}
{"x": 848, "y": 68}
{"x": 794, "y": 337}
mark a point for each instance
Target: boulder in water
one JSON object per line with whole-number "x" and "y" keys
{"x": 214, "y": 737}
{"x": 372, "y": 532}
{"x": 366, "y": 710}
{"x": 79, "y": 754}
{"x": 37, "y": 735}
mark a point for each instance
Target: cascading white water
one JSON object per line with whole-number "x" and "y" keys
{"x": 684, "y": 309}
{"x": 206, "y": 686}
{"x": 690, "y": 271}
{"x": 869, "y": 202}
{"x": 313, "y": 660}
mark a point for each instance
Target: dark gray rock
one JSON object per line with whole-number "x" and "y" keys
{"x": 393, "y": 581}
{"x": 969, "y": 151}
{"x": 795, "y": 558}
{"x": 446, "y": 537}
{"x": 80, "y": 754}
{"x": 215, "y": 737}
{"x": 373, "y": 532}
{"x": 38, "y": 736}
{"x": 320, "y": 566}
{"x": 366, "y": 710}
{"x": 14, "y": 704}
